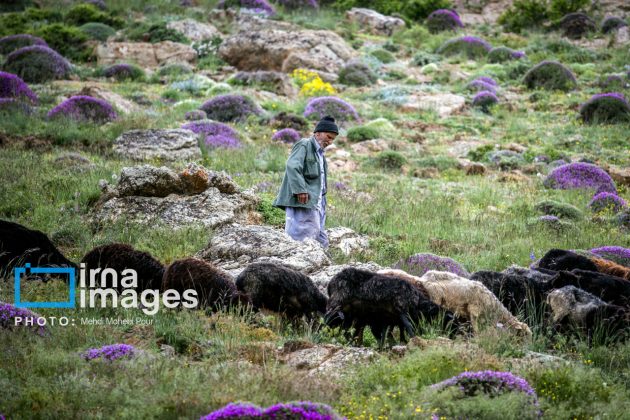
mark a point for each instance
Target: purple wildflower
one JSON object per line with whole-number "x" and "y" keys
{"x": 443, "y": 20}
{"x": 11, "y": 86}
{"x": 264, "y": 186}
{"x": 195, "y": 115}
{"x": 606, "y": 107}
{"x": 37, "y": 63}
{"x": 340, "y": 186}
{"x": 235, "y": 411}
{"x": 580, "y": 175}
{"x": 618, "y": 254}
{"x": 123, "y": 71}
{"x": 485, "y": 99}
{"x": 550, "y": 75}
{"x": 472, "y": 46}
{"x": 221, "y": 140}
{"x": 14, "y": 42}
{"x": 84, "y": 108}
{"x": 549, "y": 218}
{"x": 294, "y": 410}
{"x": 419, "y": 264}
{"x": 612, "y": 81}
{"x": 227, "y": 108}
{"x": 478, "y": 85}
{"x": 211, "y": 128}
{"x": 13, "y": 105}
{"x": 607, "y": 201}
{"x": 488, "y": 80}
{"x": 110, "y": 353}
{"x": 286, "y": 135}
{"x": 9, "y": 313}
{"x": 340, "y": 110}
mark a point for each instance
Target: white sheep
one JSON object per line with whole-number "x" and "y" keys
{"x": 466, "y": 298}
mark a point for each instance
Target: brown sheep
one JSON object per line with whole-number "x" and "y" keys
{"x": 611, "y": 268}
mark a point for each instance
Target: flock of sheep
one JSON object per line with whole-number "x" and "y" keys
{"x": 571, "y": 290}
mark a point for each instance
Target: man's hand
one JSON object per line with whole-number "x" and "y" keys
{"x": 302, "y": 198}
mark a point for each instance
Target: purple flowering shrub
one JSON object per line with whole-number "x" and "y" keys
{"x": 576, "y": 25}
{"x": 612, "y": 82}
{"x": 605, "y": 108}
{"x": 230, "y": 108}
{"x": 470, "y": 46}
{"x": 549, "y": 75}
{"x": 484, "y": 100}
{"x": 124, "y": 71}
{"x": 9, "y": 313}
{"x": 195, "y": 115}
{"x": 617, "y": 254}
{"x": 257, "y": 6}
{"x": 215, "y": 134}
{"x": 11, "y": 43}
{"x": 37, "y": 64}
{"x": 479, "y": 85}
{"x": 606, "y": 201}
{"x": 286, "y": 135}
{"x": 298, "y": 4}
{"x": 12, "y": 105}
{"x": 284, "y": 411}
{"x": 357, "y": 73}
{"x": 502, "y": 54}
{"x": 340, "y": 110}
{"x": 11, "y": 86}
{"x": 443, "y": 20}
{"x": 580, "y": 175}
{"x": 220, "y": 140}
{"x": 418, "y": 264}
{"x": 110, "y": 353}
{"x": 612, "y": 23}
{"x": 85, "y": 109}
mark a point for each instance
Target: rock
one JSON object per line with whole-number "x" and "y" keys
{"x": 513, "y": 176}
{"x": 167, "y": 351}
{"x": 144, "y": 54}
{"x": 368, "y": 147}
{"x": 342, "y": 165}
{"x": 515, "y": 147}
{"x": 506, "y": 159}
{"x": 166, "y": 144}
{"x": 475, "y": 168}
{"x": 375, "y": 22}
{"x": 444, "y": 104}
{"x": 148, "y": 181}
{"x": 74, "y": 162}
{"x": 234, "y": 247}
{"x": 123, "y": 105}
{"x": 426, "y": 173}
{"x": 268, "y": 80}
{"x": 322, "y": 277}
{"x": 347, "y": 240}
{"x": 328, "y": 360}
{"x": 285, "y": 51}
{"x": 399, "y": 350}
{"x": 620, "y": 175}
{"x": 194, "y": 30}
{"x": 622, "y": 36}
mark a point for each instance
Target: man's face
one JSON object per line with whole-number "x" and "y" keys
{"x": 325, "y": 138}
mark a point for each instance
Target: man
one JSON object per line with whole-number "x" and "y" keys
{"x": 303, "y": 191}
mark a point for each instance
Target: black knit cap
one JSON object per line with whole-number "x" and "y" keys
{"x": 327, "y": 124}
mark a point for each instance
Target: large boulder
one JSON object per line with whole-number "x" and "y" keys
{"x": 234, "y": 247}
{"x": 285, "y": 51}
{"x": 196, "y": 196}
{"x": 444, "y": 104}
{"x": 328, "y": 360}
{"x": 165, "y": 144}
{"x": 374, "y": 22}
{"x": 194, "y": 30}
{"x": 347, "y": 240}
{"x": 145, "y": 54}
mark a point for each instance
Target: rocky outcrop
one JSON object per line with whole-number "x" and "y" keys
{"x": 285, "y": 51}
{"x": 123, "y": 105}
{"x": 235, "y": 246}
{"x": 196, "y": 196}
{"x": 144, "y": 54}
{"x": 327, "y": 360}
{"x": 272, "y": 81}
{"x": 374, "y": 22}
{"x": 444, "y": 104}
{"x": 194, "y": 30}
{"x": 165, "y": 144}
{"x": 347, "y": 240}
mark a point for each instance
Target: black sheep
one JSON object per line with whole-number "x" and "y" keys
{"x": 20, "y": 245}
{"x": 559, "y": 259}
{"x": 281, "y": 289}
{"x": 122, "y": 256}
{"x": 215, "y": 288}
{"x": 360, "y": 298}
{"x": 610, "y": 289}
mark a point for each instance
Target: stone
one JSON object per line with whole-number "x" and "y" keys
{"x": 167, "y": 351}
{"x": 374, "y": 22}
{"x": 622, "y": 36}
{"x": 368, "y": 147}
{"x": 347, "y": 240}
{"x": 268, "y": 80}
{"x": 144, "y": 54}
{"x": 429, "y": 173}
{"x": 165, "y": 144}
{"x": 620, "y": 175}
{"x": 475, "y": 168}
{"x": 285, "y": 51}
{"x": 235, "y": 246}
{"x": 322, "y": 277}
{"x": 74, "y": 161}
{"x": 194, "y": 30}
{"x": 121, "y": 104}
{"x": 328, "y": 360}
{"x": 148, "y": 181}
{"x": 444, "y": 104}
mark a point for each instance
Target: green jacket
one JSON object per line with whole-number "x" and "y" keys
{"x": 302, "y": 175}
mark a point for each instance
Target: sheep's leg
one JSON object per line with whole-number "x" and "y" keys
{"x": 404, "y": 319}
{"x": 358, "y": 334}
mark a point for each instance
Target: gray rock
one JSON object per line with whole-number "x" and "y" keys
{"x": 347, "y": 240}
{"x": 234, "y": 247}
{"x": 375, "y": 22}
{"x": 148, "y": 181}
{"x": 194, "y": 30}
{"x": 273, "y": 81}
{"x": 322, "y": 277}
{"x": 165, "y": 144}
{"x": 144, "y": 54}
{"x": 328, "y": 360}
{"x": 444, "y": 104}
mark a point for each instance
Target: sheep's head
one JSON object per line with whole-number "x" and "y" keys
{"x": 334, "y": 318}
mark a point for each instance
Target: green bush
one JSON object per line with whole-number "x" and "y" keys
{"x": 559, "y": 8}
{"x": 66, "y": 40}
{"x": 98, "y": 31}
{"x": 271, "y": 215}
{"x": 556, "y": 208}
{"x": 360, "y": 133}
{"x": 550, "y": 75}
{"x": 14, "y": 5}
{"x": 357, "y": 73}
{"x": 383, "y": 56}
{"x": 85, "y": 13}
{"x": 156, "y": 32}
{"x": 17, "y": 23}
{"x": 524, "y": 14}
{"x": 390, "y": 160}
